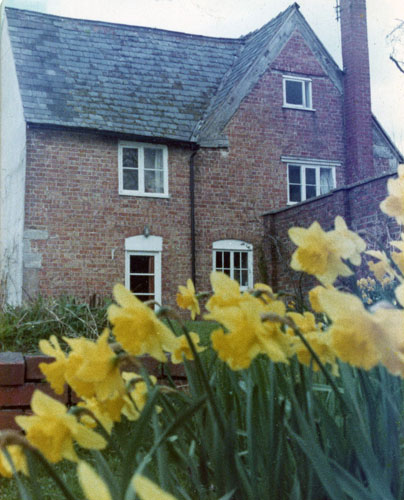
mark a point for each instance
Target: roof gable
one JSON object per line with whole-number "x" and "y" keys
{"x": 259, "y": 52}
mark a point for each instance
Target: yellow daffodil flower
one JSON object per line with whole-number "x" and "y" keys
{"x": 52, "y": 430}
{"x": 320, "y": 253}
{"x": 356, "y": 245}
{"x": 381, "y": 268}
{"x": 19, "y": 460}
{"x": 186, "y": 299}
{"x": 318, "y": 340}
{"x": 313, "y": 298}
{"x": 92, "y": 485}
{"x": 393, "y": 205}
{"x": 55, "y": 371}
{"x": 137, "y": 398}
{"x": 92, "y": 368}
{"x": 137, "y": 328}
{"x": 248, "y": 335}
{"x": 106, "y": 412}
{"x": 226, "y": 291}
{"x": 361, "y": 338}
{"x": 147, "y": 490}
{"x": 184, "y": 348}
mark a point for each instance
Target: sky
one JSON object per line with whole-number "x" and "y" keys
{"x": 233, "y": 18}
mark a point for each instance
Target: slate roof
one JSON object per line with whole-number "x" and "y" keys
{"x": 130, "y": 79}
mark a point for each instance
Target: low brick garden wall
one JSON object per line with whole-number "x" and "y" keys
{"x": 20, "y": 376}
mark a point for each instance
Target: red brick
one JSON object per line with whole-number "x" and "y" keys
{"x": 12, "y": 368}
{"x": 21, "y": 395}
{"x": 7, "y": 419}
{"x": 32, "y": 371}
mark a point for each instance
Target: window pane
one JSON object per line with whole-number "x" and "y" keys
{"x": 130, "y": 179}
{"x": 294, "y": 193}
{"x": 130, "y": 158}
{"x": 307, "y": 87}
{"x": 219, "y": 260}
{"x": 244, "y": 260}
{"x": 144, "y": 298}
{"x": 294, "y": 92}
{"x": 311, "y": 176}
{"x": 237, "y": 259}
{"x": 154, "y": 181}
{"x": 310, "y": 192}
{"x": 142, "y": 264}
{"x": 226, "y": 258}
{"x": 237, "y": 275}
{"x": 141, "y": 284}
{"x": 244, "y": 278}
{"x": 294, "y": 174}
{"x": 326, "y": 180}
{"x": 153, "y": 159}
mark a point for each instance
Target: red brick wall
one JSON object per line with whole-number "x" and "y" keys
{"x": 358, "y": 204}
{"x": 72, "y": 192}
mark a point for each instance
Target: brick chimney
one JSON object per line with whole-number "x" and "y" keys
{"x": 357, "y": 105}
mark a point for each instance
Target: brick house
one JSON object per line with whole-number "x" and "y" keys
{"x": 147, "y": 156}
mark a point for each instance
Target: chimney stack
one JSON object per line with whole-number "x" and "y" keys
{"x": 357, "y": 105}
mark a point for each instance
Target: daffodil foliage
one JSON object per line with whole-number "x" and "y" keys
{"x": 278, "y": 402}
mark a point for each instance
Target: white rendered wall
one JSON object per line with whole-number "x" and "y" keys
{"x": 12, "y": 174}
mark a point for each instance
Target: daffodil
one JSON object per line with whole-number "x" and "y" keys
{"x": 92, "y": 368}
{"x": 186, "y": 299}
{"x": 136, "y": 398}
{"x": 52, "y": 430}
{"x": 362, "y": 338}
{"x": 147, "y": 490}
{"x": 319, "y": 341}
{"x": 382, "y": 267}
{"x": 106, "y": 412}
{"x": 319, "y": 253}
{"x": 137, "y": 328}
{"x": 54, "y": 371}
{"x": 226, "y": 291}
{"x": 393, "y": 205}
{"x": 247, "y": 334}
{"x": 18, "y": 458}
{"x": 313, "y": 298}
{"x": 91, "y": 483}
{"x": 184, "y": 350}
{"x": 353, "y": 244}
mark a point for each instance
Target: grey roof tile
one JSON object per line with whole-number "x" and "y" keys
{"x": 129, "y": 79}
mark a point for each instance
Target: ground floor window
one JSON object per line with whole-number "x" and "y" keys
{"x": 143, "y": 267}
{"x": 234, "y": 258}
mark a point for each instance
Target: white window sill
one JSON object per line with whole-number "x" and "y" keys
{"x": 143, "y": 195}
{"x": 301, "y": 108}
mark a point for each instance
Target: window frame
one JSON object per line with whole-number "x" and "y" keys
{"x": 303, "y": 166}
{"x": 234, "y": 246}
{"x": 305, "y": 82}
{"x": 149, "y": 246}
{"x": 140, "y": 146}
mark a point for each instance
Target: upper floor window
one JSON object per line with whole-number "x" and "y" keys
{"x": 307, "y": 181}
{"x": 234, "y": 258}
{"x": 143, "y": 169}
{"x": 297, "y": 92}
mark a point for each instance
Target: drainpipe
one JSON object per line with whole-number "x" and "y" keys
{"x": 192, "y": 203}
